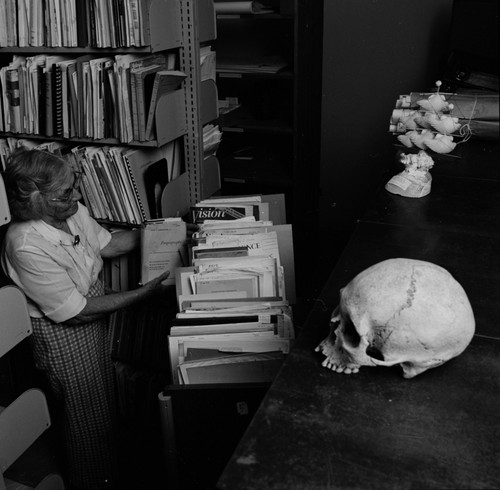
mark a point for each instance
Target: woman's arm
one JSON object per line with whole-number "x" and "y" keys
{"x": 126, "y": 241}
{"x": 122, "y": 242}
{"x": 101, "y": 306}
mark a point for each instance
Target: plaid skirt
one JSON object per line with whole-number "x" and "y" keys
{"x": 77, "y": 363}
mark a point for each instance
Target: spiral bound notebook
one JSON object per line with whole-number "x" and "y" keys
{"x": 58, "y": 100}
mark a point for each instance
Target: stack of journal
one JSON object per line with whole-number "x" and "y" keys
{"x": 234, "y": 323}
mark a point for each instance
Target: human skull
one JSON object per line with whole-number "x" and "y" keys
{"x": 399, "y": 311}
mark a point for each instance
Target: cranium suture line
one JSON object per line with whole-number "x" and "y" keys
{"x": 403, "y": 312}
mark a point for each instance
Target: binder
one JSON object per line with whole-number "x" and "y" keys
{"x": 57, "y": 99}
{"x": 148, "y": 171}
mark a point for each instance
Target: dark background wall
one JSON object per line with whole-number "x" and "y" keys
{"x": 373, "y": 51}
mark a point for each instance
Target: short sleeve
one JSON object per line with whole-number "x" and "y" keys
{"x": 47, "y": 285}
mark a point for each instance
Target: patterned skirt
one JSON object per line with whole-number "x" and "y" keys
{"x": 78, "y": 366}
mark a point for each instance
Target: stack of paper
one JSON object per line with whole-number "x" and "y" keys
{"x": 270, "y": 64}
{"x": 242, "y": 7}
{"x": 235, "y": 320}
{"x": 212, "y": 136}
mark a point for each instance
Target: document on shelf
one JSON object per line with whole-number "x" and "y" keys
{"x": 163, "y": 248}
{"x": 236, "y": 368}
{"x": 264, "y": 244}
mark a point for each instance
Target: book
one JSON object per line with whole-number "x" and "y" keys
{"x": 111, "y": 118}
{"x": 163, "y": 244}
{"x": 54, "y": 99}
{"x": 54, "y": 23}
{"x": 23, "y": 30}
{"x": 201, "y": 213}
{"x": 11, "y": 22}
{"x": 122, "y": 69}
{"x": 103, "y": 186}
{"x": 88, "y": 162}
{"x": 13, "y": 99}
{"x": 24, "y": 95}
{"x": 109, "y": 182}
{"x": 122, "y": 180}
{"x": 73, "y": 98}
{"x": 143, "y": 79}
{"x": 82, "y": 24}
{"x": 68, "y": 95}
{"x": 124, "y": 64}
{"x": 3, "y": 24}
{"x": 35, "y": 66}
{"x": 261, "y": 206}
{"x": 165, "y": 81}
{"x": 120, "y": 21}
{"x": 88, "y": 101}
{"x": 82, "y": 66}
{"x": 97, "y": 84}
{"x": 138, "y": 63}
{"x": 86, "y": 187}
{"x": 133, "y": 8}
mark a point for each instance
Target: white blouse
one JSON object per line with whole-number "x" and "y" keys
{"x": 55, "y": 270}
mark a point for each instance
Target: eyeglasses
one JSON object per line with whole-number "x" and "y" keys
{"x": 68, "y": 195}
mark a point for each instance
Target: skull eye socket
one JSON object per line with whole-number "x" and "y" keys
{"x": 350, "y": 334}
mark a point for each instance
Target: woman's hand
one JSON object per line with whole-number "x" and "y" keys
{"x": 156, "y": 285}
{"x": 100, "y": 306}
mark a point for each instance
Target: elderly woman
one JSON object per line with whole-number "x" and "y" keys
{"x": 53, "y": 250}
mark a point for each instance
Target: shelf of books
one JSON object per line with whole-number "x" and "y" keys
{"x": 118, "y": 115}
{"x": 137, "y": 24}
{"x": 121, "y": 99}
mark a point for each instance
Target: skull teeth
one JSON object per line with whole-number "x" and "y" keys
{"x": 340, "y": 368}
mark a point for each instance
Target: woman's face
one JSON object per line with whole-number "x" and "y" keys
{"x": 64, "y": 203}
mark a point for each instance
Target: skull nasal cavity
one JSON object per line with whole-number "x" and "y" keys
{"x": 372, "y": 351}
{"x": 350, "y": 334}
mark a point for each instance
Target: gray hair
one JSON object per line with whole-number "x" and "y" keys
{"x": 29, "y": 175}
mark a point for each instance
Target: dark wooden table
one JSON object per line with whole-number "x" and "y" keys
{"x": 317, "y": 429}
